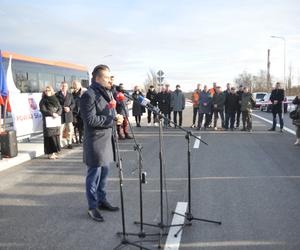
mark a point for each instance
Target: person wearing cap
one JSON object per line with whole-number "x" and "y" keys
{"x": 177, "y": 104}
{"x": 152, "y": 96}
{"x": 195, "y": 100}
{"x": 218, "y": 101}
{"x": 231, "y": 105}
{"x": 238, "y": 111}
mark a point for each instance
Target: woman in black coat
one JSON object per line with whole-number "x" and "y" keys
{"x": 137, "y": 108}
{"x": 50, "y": 107}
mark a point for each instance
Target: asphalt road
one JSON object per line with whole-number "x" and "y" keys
{"x": 249, "y": 181}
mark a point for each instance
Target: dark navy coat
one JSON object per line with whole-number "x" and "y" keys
{"x": 98, "y": 149}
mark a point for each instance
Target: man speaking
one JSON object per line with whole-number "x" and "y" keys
{"x": 98, "y": 114}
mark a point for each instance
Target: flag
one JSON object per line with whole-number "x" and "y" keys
{"x": 4, "y": 97}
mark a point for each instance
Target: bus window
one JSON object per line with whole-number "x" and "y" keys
{"x": 45, "y": 80}
{"x": 33, "y": 83}
{"x": 58, "y": 80}
{"x": 21, "y": 81}
{"x": 68, "y": 79}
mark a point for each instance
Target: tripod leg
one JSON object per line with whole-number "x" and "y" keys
{"x": 209, "y": 221}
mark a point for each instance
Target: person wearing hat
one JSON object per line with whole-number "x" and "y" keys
{"x": 177, "y": 104}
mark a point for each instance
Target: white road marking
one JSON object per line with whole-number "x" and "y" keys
{"x": 244, "y": 243}
{"x": 172, "y": 242}
{"x": 271, "y": 122}
{"x": 197, "y": 142}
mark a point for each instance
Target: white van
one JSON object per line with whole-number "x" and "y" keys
{"x": 259, "y": 98}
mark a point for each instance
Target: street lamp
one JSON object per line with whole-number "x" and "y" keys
{"x": 284, "y": 54}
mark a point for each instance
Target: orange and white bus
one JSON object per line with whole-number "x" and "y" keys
{"x": 27, "y": 77}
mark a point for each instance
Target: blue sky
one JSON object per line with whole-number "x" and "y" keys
{"x": 191, "y": 41}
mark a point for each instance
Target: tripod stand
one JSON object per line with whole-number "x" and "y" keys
{"x": 124, "y": 240}
{"x": 188, "y": 215}
{"x": 141, "y": 234}
{"x": 161, "y": 225}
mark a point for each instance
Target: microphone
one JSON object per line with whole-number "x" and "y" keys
{"x": 120, "y": 97}
{"x": 140, "y": 99}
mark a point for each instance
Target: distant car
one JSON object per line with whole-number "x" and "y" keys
{"x": 266, "y": 104}
{"x": 259, "y": 98}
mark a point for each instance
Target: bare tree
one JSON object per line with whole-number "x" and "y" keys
{"x": 151, "y": 80}
{"x": 244, "y": 79}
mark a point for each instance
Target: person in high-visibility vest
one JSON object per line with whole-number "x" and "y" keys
{"x": 195, "y": 100}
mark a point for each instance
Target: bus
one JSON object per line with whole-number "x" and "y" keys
{"x": 27, "y": 77}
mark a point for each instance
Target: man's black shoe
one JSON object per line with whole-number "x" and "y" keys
{"x": 70, "y": 146}
{"x": 271, "y": 129}
{"x": 105, "y": 205}
{"x": 95, "y": 215}
{"x": 281, "y": 130}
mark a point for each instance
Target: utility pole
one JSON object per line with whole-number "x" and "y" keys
{"x": 269, "y": 84}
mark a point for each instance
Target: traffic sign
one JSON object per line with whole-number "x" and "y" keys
{"x": 160, "y": 73}
{"x": 160, "y": 79}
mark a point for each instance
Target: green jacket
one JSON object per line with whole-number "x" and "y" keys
{"x": 219, "y": 100}
{"x": 247, "y": 102}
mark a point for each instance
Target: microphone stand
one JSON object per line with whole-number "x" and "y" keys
{"x": 188, "y": 215}
{"x": 138, "y": 148}
{"x": 124, "y": 240}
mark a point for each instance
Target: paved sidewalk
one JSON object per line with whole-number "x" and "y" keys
{"x": 26, "y": 151}
{"x": 29, "y": 150}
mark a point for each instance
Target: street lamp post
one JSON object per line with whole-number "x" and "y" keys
{"x": 284, "y": 55}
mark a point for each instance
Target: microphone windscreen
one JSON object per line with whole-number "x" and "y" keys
{"x": 143, "y": 101}
{"x": 120, "y": 97}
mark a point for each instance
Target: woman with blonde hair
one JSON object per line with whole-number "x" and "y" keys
{"x": 50, "y": 108}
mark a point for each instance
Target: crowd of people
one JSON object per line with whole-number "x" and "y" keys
{"x": 92, "y": 113}
{"x": 65, "y": 107}
{"x": 210, "y": 104}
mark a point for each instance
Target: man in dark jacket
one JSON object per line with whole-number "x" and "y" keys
{"x": 152, "y": 96}
{"x": 67, "y": 103}
{"x": 78, "y": 90}
{"x": 277, "y": 97}
{"x": 164, "y": 104}
{"x": 98, "y": 113}
{"x": 177, "y": 104}
{"x": 218, "y": 102}
{"x": 231, "y": 105}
